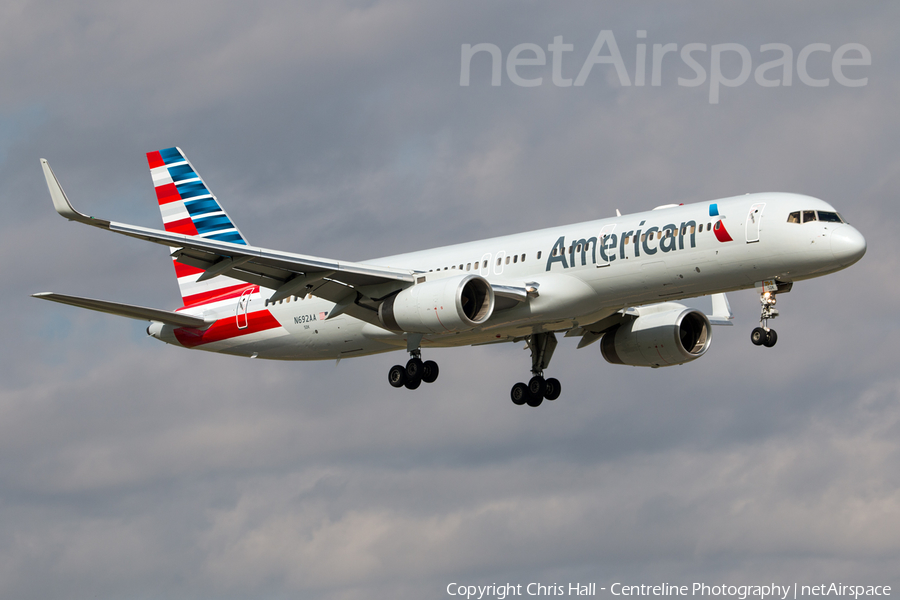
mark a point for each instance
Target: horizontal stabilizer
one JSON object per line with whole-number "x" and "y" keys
{"x": 128, "y": 310}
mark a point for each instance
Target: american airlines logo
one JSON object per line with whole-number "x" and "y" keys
{"x": 632, "y": 243}
{"x": 775, "y": 64}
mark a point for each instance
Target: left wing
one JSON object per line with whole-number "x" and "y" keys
{"x": 356, "y": 287}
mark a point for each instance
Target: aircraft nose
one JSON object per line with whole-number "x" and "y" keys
{"x": 847, "y": 244}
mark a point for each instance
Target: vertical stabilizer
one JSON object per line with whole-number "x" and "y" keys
{"x": 188, "y": 207}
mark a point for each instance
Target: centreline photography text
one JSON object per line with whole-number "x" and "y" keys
{"x": 701, "y": 589}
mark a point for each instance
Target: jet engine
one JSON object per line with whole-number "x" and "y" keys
{"x": 458, "y": 303}
{"x": 662, "y": 335}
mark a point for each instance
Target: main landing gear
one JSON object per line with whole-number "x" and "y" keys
{"x": 414, "y": 373}
{"x": 762, "y": 335}
{"x": 538, "y": 389}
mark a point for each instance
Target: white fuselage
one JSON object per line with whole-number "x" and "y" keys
{"x": 583, "y": 273}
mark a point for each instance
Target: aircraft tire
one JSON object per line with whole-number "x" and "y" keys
{"x": 758, "y": 336}
{"x": 397, "y": 376}
{"x": 414, "y": 368}
{"x": 430, "y": 371}
{"x": 413, "y": 382}
{"x": 552, "y": 389}
{"x": 536, "y": 386}
{"x": 771, "y": 338}
{"x": 519, "y": 394}
{"x": 535, "y": 401}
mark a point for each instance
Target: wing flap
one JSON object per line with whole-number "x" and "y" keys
{"x": 130, "y": 311}
{"x": 721, "y": 311}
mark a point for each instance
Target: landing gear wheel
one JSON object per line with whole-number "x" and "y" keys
{"x": 397, "y": 376}
{"x": 536, "y": 386}
{"x": 412, "y": 384}
{"x": 414, "y": 369}
{"x": 758, "y": 336}
{"x": 552, "y": 389}
{"x": 535, "y": 400}
{"x": 519, "y": 394}
{"x": 771, "y": 338}
{"x": 429, "y": 371}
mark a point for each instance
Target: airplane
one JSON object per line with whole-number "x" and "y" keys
{"x": 614, "y": 280}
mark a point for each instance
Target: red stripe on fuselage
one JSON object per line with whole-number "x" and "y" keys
{"x": 154, "y": 159}
{"x": 226, "y": 328}
{"x": 232, "y": 291}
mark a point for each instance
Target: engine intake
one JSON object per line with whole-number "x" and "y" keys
{"x": 444, "y": 305}
{"x": 672, "y": 335}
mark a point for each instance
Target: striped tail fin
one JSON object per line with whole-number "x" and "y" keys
{"x": 189, "y": 208}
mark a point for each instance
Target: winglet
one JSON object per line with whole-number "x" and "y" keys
{"x": 61, "y": 202}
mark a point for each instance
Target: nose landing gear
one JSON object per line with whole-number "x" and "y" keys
{"x": 762, "y": 335}
{"x": 538, "y": 389}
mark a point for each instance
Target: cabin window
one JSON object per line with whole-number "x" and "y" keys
{"x": 539, "y": 254}
{"x": 516, "y": 258}
{"x": 627, "y": 239}
{"x": 523, "y": 257}
{"x": 643, "y": 237}
{"x": 485, "y": 265}
{"x": 460, "y": 266}
{"x": 718, "y": 225}
{"x": 468, "y": 266}
{"x": 794, "y": 217}
{"x": 507, "y": 260}
{"x": 701, "y": 227}
{"x": 693, "y": 229}
{"x": 499, "y": 260}
{"x": 809, "y": 216}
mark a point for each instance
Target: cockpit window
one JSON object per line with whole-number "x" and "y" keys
{"x": 794, "y": 217}
{"x": 829, "y": 217}
{"x": 809, "y": 215}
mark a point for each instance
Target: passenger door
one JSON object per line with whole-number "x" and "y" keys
{"x": 753, "y": 219}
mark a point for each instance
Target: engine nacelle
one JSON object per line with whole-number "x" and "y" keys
{"x": 443, "y": 305}
{"x": 671, "y": 335}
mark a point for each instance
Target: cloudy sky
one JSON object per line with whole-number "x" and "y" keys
{"x": 131, "y": 469}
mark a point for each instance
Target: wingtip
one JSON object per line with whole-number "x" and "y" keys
{"x": 61, "y": 201}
